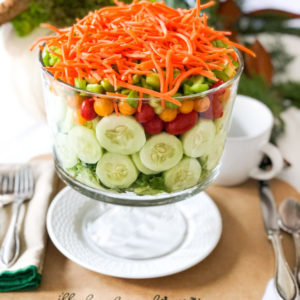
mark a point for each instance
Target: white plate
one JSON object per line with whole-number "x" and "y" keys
{"x": 64, "y": 223}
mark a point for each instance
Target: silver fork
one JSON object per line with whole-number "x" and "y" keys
{"x": 23, "y": 190}
{"x": 6, "y": 188}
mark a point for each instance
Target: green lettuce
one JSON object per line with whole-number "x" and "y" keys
{"x": 149, "y": 185}
{"x": 85, "y": 173}
{"x": 57, "y": 12}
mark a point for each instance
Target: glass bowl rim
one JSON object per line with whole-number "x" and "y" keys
{"x": 188, "y": 97}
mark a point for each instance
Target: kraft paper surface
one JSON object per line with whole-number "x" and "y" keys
{"x": 239, "y": 267}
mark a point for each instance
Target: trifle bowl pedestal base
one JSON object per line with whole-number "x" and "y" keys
{"x": 134, "y": 242}
{"x": 134, "y": 232}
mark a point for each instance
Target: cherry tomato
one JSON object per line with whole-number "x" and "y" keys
{"x": 154, "y": 126}
{"x": 226, "y": 96}
{"x": 77, "y": 117}
{"x": 168, "y": 114}
{"x": 182, "y": 123}
{"x": 220, "y": 91}
{"x": 125, "y": 108}
{"x": 146, "y": 114}
{"x": 74, "y": 101}
{"x": 217, "y": 109}
{"x": 103, "y": 106}
{"x": 202, "y": 104}
{"x": 87, "y": 109}
{"x": 187, "y": 106}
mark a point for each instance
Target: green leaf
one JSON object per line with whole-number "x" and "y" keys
{"x": 290, "y": 90}
{"x": 31, "y": 18}
{"x": 280, "y": 58}
{"x": 57, "y": 12}
{"x": 149, "y": 184}
{"x": 85, "y": 173}
{"x": 269, "y": 23}
{"x": 177, "y": 3}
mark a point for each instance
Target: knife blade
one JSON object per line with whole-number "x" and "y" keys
{"x": 285, "y": 282}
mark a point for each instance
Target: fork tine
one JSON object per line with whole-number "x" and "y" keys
{"x": 4, "y": 184}
{"x": 11, "y": 178}
{"x": 17, "y": 182}
{"x": 23, "y": 180}
{"x": 26, "y": 178}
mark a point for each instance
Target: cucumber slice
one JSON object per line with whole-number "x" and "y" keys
{"x": 84, "y": 143}
{"x": 65, "y": 153}
{"x": 67, "y": 124}
{"x": 116, "y": 170}
{"x": 120, "y": 134}
{"x": 216, "y": 151}
{"x": 198, "y": 140}
{"x": 138, "y": 163}
{"x": 161, "y": 152}
{"x": 184, "y": 175}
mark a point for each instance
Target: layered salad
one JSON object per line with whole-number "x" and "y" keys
{"x": 139, "y": 96}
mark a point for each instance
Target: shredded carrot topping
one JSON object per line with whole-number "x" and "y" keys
{"x": 140, "y": 38}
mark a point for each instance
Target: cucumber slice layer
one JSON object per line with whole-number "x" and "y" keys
{"x": 184, "y": 175}
{"x": 216, "y": 152}
{"x": 198, "y": 140}
{"x": 161, "y": 152}
{"x": 116, "y": 170}
{"x": 140, "y": 166}
{"x": 65, "y": 153}
{"x": 120, "y": 134}
{"x": 84, "y": 144}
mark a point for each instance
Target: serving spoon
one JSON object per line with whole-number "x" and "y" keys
{"x": 289, "y": 213}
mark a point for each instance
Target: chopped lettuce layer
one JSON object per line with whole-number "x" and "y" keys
{"x": 144, "y": 185}
{"x": 85, "y": 174}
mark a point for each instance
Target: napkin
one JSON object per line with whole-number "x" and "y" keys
{"x": 26, "y": 273}
{"x": 270, "y": 292}
{"x": 289, "y": 145}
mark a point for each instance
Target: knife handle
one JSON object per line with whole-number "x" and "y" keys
{"x": 284, "y": 280}
{"x": 296, "y": 237}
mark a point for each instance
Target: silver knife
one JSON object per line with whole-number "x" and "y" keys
{"x": 285, "y": 282}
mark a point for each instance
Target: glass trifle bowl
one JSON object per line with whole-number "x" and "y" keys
{"x": 119, "y": 159}
{"x": 132, "y": 151}
{"x": 134, "y": 143}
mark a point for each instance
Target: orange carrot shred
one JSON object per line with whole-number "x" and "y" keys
{"x": 119, "y": 42}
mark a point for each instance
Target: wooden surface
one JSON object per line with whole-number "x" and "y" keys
{"x": 238, "y": 268}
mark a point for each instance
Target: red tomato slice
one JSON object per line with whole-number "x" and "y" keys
{"x": 217, "y": 109}
{"x": 182, "y": 123}
{"x": 154, "y": 126}
{"x": 146, "y": 114}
